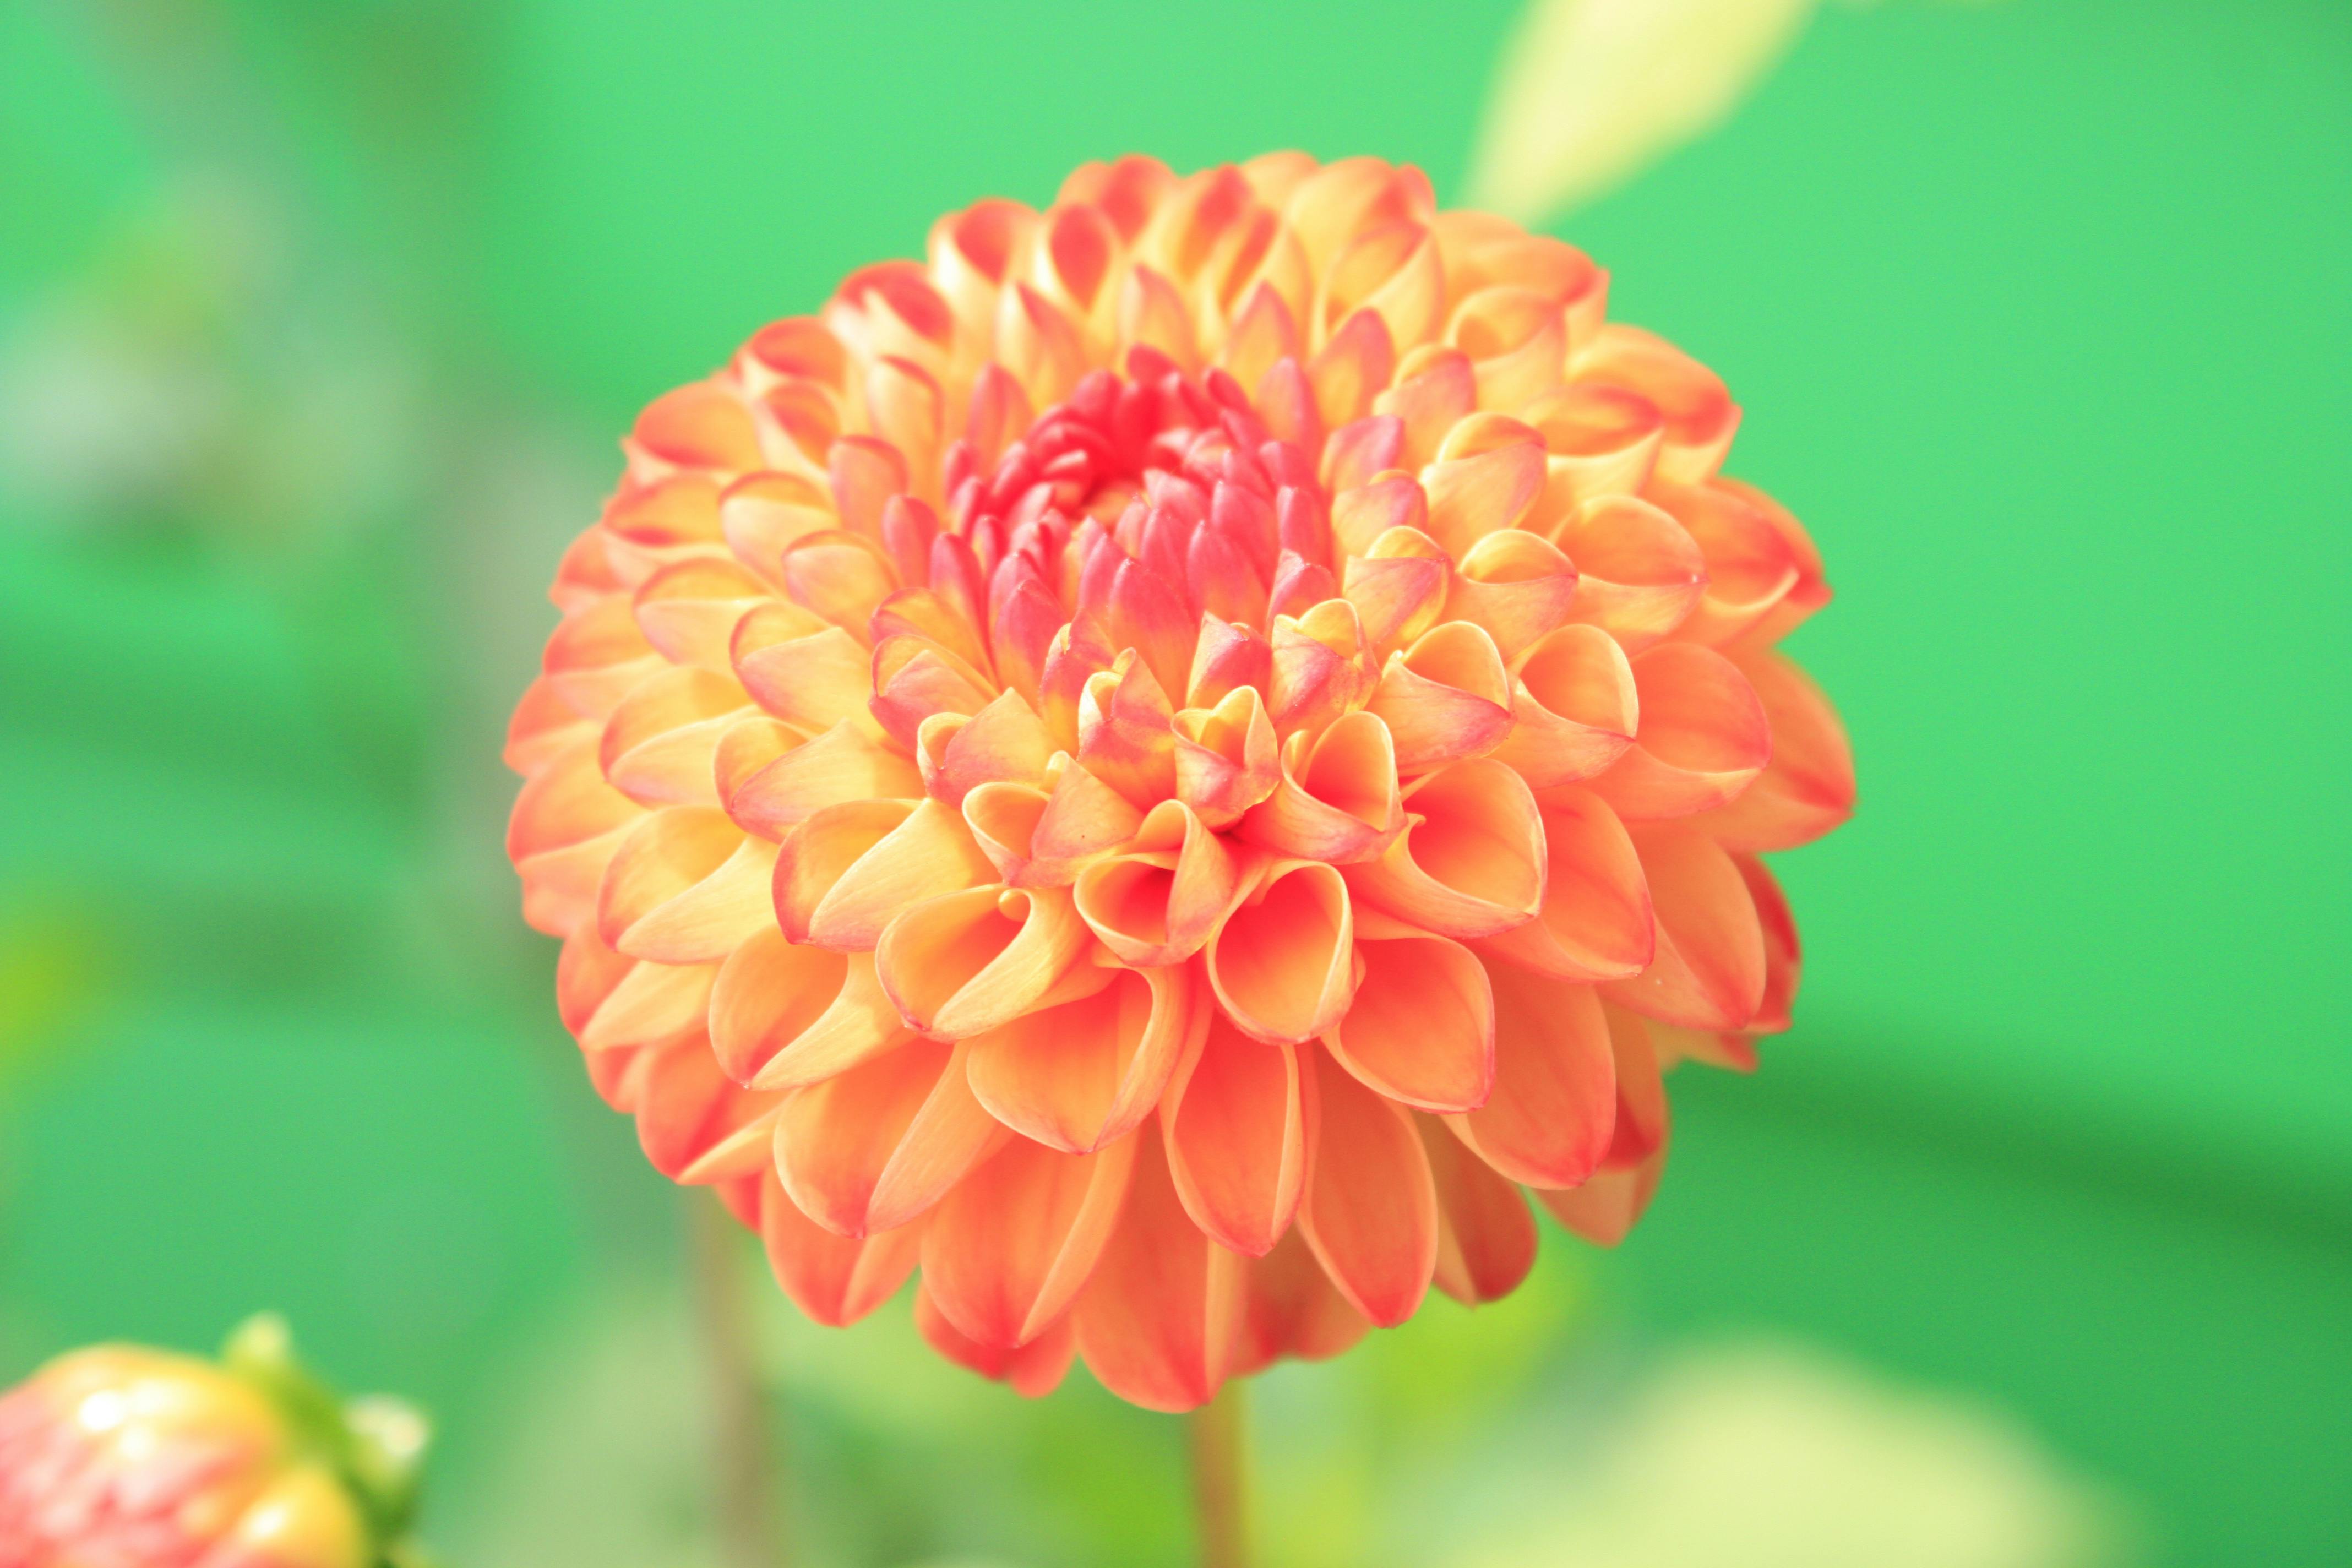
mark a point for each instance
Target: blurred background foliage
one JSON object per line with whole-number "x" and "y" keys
{"x": 2032, "y": 1245}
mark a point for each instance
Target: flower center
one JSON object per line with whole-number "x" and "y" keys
{"x": 1174, "y": 476}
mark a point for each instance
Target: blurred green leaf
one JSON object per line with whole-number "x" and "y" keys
{"x": 1592, "y": 91}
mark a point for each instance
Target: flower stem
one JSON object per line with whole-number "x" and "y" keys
{"x": 744, "y": 1465}
{"x": 1218, "y": 1432}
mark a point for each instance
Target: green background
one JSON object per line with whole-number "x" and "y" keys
{"x": 2041, "y": 315}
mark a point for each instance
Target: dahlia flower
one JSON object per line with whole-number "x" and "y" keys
{"x": 119, "y": 1456}
{"x": 1164, "y": 766}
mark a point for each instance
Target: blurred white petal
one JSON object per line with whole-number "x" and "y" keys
{"x": 1590, "y": 92}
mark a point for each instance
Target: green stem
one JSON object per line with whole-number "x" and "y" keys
{"x": 1218, "y": 1434}
{"x": 745, "y": 1465}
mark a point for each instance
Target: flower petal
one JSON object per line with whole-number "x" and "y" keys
{"x": 1702, "y": 737}
{"x": 1282, "y": 963}
{"x": 1576, "y": 706}
{"x": 1421, "y": 1030}
{"x": 1548, "y": 1120}
{"x": 1596, "y": 922}
{"x": 1005, "y": 1253}
{"x": 1471, "y": 860}
{"x": 1368, "y": 1211}
{"x": 969, "y": 961}
{"x": 1157, "y": 1323}
{"x": 870, "y": 1148}
{"x": 1081, "y": 1075}
{"x": 1033, "y": 1371}
{"x": 835, "y": 1279}
{"x": 1709, "y": 969}
{"x": 1235, "y": 1136}
{"x": 1486, "y": 1237}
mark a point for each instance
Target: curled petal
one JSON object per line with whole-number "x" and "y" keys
{"x": 1750, "y": 567}
{"x": 772, "y": 780}
{"x": 1159, "y": 903}
{"x": 1005, "y": 1253}
{"x": 686, "y": 887}
{"x": 653, "y": 1005}
{"x": 1605, "y": 1207}
{"x": 914, "y": 678}
{"x": 1236, "y": 1136}
{"x": 1709, "y": 969}
{"x": 927, "y": 852}
{"x": 1004, "y": 741}
{"x": 1487, "y": 484}
{"x": 1353, "y": 366}
{"x": 543, "y": 727}
{"x": 1783, "y": 958}
{"x": 871, "y": 1149}
{"x": 1598, "y": 441}
{"x": 1445, "y": 697}
{"x": 1553, "y": 1109}
{"x": 1435, "y": 390}
{"x": 1368, "y": 1211}
{"x": 597, "y": 656}
{"x": 1156, "y": 1322}
{"x": 1421, "y": 1030}
{"x": 1368, "y": 512}
{"x": 1293, "y": 1309}
{"x": 1576, "y": 706}
{"x": 1516, "y": 339}
{"x": 565, "y": 826}
{"x": 1639, "y": 575}
{"x": 690, "y": 1119}
{"x": 1337, "y": 799}
{"x": 688, "y": 611}
{"x": 1031, "y": 1370}
{"x": 1486, "y": 1237}
{"x": 1517, "y": 584}
{"x": 1124, "y": 738}
{"x": 1808, "y": 787}
{"x": 784, "y": 1017}
{"x": 1083, "y": 1074}
{"x": 1227, "y": 659}
{"x": 1083, "y": 817}
{"x": 1283, "y": 964}
{"x": 1699, "y": 413}
{"x": 813, "y": 681}
{"x": 835, "y": 1279}
{"x": 841, "y": 577}
{"x": 968, "y": 963}
{"x": 1397, "y": 595}
{"x": 762, "y": 515}
{"x": 1596, "y": 922}
{"x": 658, "y": 744}
{"x": 1470, "y": 861}
{"x": 1702, "y": 735}
{"x": 1227, "y": 759}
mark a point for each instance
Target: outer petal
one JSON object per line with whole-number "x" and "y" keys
{"x": 1596, "y": 922}
{"x": 1549, "y": 1119}
{"x": 1006, "y": 1252}
{"x": 1808, "y": 787}
{"x": 1709, "y": 969}
{"x": 1576, "y": 706}
{"x": 1486, "y": 1237}
{"x": 1368, "y": 1211}
{"x": 1293, "y": 1309}
{"x": 1703, "y": 737}
{"x": 835, "y": 1279}
{"x": 1158, "y": 1320}
{"x": 872, "y": 1147}
{"x": 1236, "y": 1133}
{"x": 1033, "y": 1370}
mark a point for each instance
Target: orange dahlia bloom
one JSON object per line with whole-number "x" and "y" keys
{"x": 119, "y": 1456}
{"x": 1162, "y": 765}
